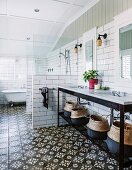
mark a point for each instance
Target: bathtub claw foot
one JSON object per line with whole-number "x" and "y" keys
{"x": 11, "y": 104}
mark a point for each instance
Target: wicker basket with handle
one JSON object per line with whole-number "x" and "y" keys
{"x": 98, "y": 123}
{"x": 79, "y": 116}
{"x": 114, "y": 132}
{"x": 79, "y": 112}
{"x": 69, "y": 105}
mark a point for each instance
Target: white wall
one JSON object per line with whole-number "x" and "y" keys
{"x": 105, "y": 58}
{"x": 105, "y": 63}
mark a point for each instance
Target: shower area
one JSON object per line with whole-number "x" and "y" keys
{"x": 22, "y": 54}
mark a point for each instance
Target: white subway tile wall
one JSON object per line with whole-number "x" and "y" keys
{"x": 29, "y": 95}
{"x": 105, "y": 63}
{"x": 7, "y": 75}
{"x": 41, "y": 116}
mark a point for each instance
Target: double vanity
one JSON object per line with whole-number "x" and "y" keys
{"x": 121, "y": 102}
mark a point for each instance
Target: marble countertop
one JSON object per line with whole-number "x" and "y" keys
{"x": 102, "y": 94}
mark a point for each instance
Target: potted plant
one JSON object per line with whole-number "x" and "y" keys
{"x": 91, "y": 76}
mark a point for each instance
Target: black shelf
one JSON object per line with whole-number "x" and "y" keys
{"x": 99, "y": 143}
{"x": 116, "y": 106}
{"x": 83, "y": 131}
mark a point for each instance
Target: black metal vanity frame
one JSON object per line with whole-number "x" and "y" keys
{"x": 121, "y": 108}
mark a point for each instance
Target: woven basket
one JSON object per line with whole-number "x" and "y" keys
{"x": 79, "y": 116}
{"x": 98, "y": 123}
{"x": 114, "y": 132}
{"x": 69, "y": 106}
{"x": 79, "y": 112}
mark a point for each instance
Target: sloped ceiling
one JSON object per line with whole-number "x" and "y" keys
{"x": 19, "y": 22}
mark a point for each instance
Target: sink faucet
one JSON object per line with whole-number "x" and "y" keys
{"x": 118, "y": 93}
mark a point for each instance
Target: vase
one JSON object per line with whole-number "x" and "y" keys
{"x": 92, "y": 82}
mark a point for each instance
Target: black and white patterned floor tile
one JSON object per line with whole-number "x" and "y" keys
{"x": 63, "y": 148}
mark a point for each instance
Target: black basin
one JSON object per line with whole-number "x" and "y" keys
{"x": 97, "y": 135}
{"x": 80, "y": 121}
{"x": 114, "y": 147}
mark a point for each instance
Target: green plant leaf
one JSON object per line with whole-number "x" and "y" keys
{"x": 90, "y": 74}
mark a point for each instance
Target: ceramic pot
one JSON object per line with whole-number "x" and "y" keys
{"x": 92, "y": 82}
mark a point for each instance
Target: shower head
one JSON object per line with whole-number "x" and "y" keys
{"x": 66, "y": 54}
{"x": 62, "y": 54}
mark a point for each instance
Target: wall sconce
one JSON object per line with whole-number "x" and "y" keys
{"x": 76, "y": 47}
{"x": 99, "y": 40}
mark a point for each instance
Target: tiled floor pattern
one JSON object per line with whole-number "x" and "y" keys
{"x": 22, "y": 147}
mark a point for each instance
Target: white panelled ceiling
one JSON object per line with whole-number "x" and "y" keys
{"x": 20, "y": 21}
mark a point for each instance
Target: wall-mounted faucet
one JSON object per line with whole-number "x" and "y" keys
{"x": 62, "y": 54}
{"x": 66, "y": 55}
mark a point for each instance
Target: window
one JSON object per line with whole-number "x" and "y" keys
{"x": 126, "y": 66}
{"x": 7, "y": 69}
{"x": 123, "y": 51}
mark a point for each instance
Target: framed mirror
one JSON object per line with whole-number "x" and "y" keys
{"x": 123, "y": 50}
{"x": 89, "y": 43}
{"x": 89, "y": 54}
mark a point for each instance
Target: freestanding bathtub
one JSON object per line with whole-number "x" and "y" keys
{"x": 15, "y": 95}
